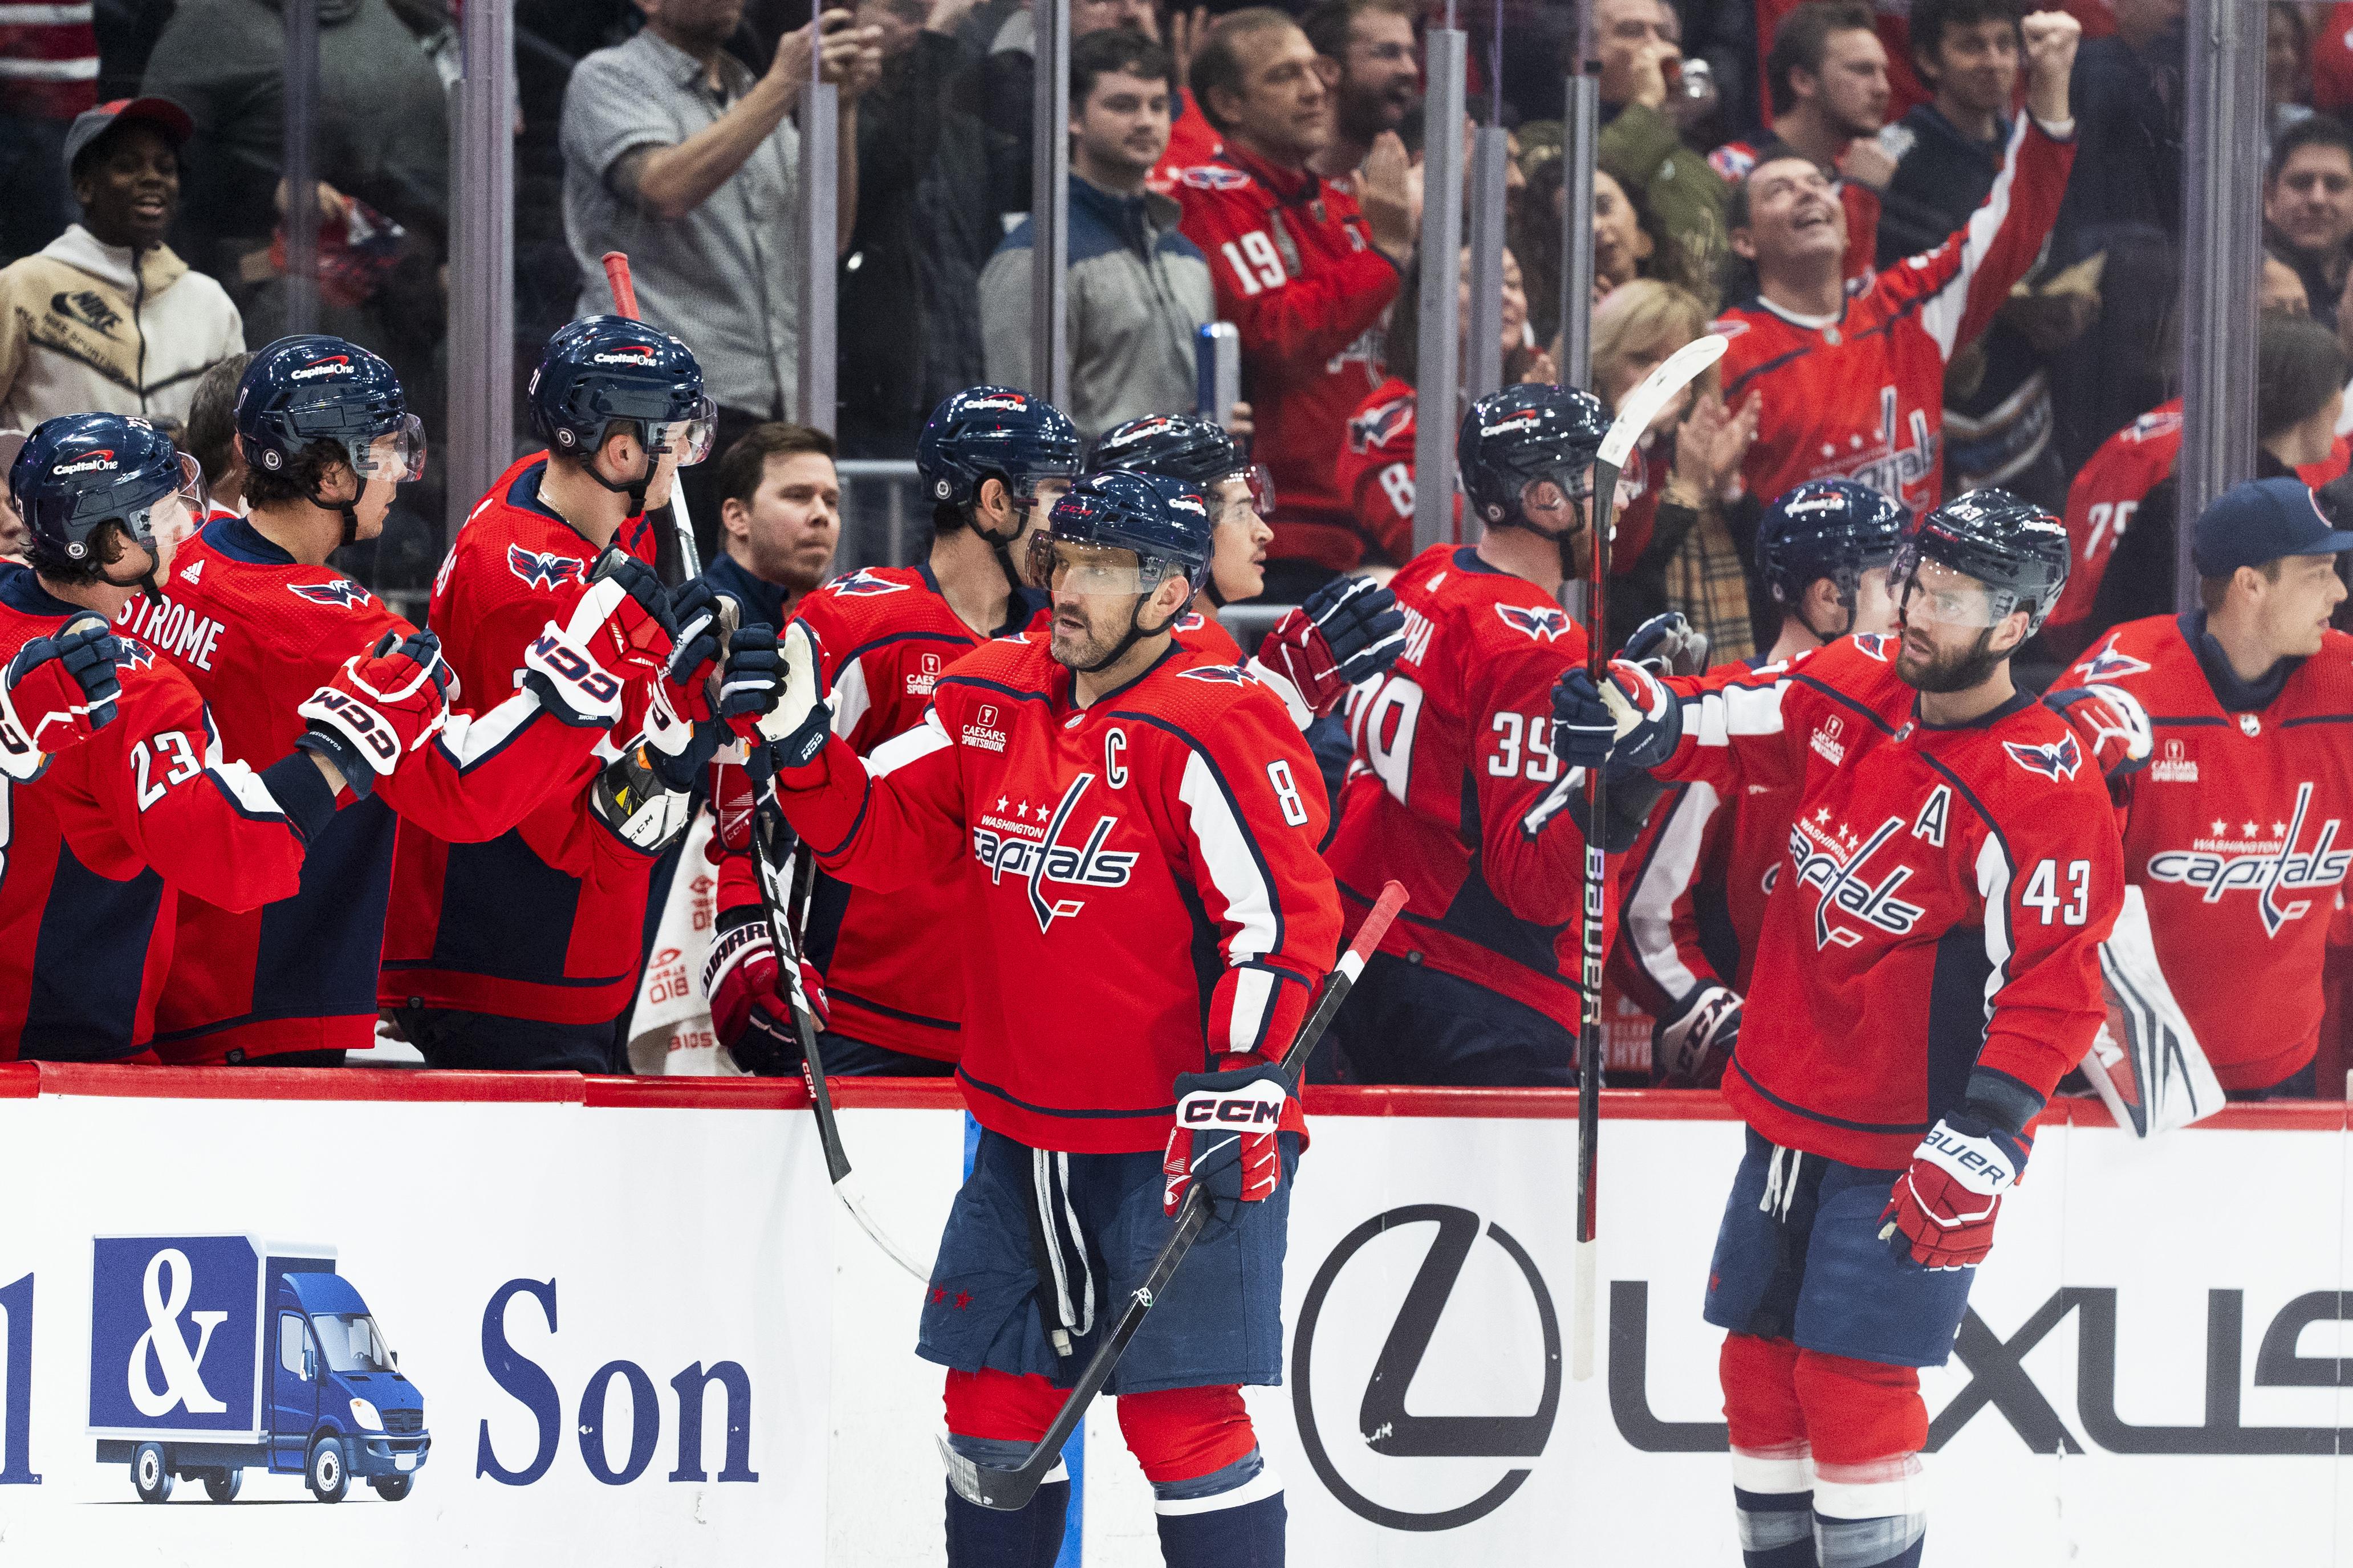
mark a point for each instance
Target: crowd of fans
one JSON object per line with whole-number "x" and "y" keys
{"x": 1774, "y": 168}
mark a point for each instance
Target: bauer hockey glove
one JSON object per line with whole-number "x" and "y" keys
{"x": 2112, "y": 725}
{"x": 752, "y": 1019}
{"x": 56, "y": 692}
{"x": 1632, "y": 720}
{"x": 1348, "y": 630}
{"x": 1690, "y": 1046}
{"x": 381, "y": 706}
{"x": 794, "y": 731}
{"x": 1941, "y": 1213}
{"x": 1225, "y": 1137}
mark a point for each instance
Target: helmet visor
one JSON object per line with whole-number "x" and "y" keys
{"x": 173, "y": 515}
{"x": 398, "y": 455}
{"x": 1931, "y": 594}
{"x": 689, "y": 437}
{"x": 1261, "y": 480}
{"x": 1068, "y": 566}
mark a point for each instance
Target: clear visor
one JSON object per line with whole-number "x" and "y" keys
{"x": 1041, "y": 488}
{"x": 1929, "y": 594}
{"x": 1261, "y": 480}
{"x": 173, "y": 515}
{"x": 1066, "y": 566}
{"x": 689, "y": 437}
{"x": 398, "y": 455}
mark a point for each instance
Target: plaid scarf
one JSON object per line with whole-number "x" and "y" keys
{"x": 1706, "y": 583}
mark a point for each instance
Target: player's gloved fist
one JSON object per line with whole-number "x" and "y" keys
{"x": 56, "y": 690}
{"x": 381, "y": 706}
{"x": 698, "y": 628}
{"x": 1348, "y": 630}
{"x": 1224, "y": 1139}
{"x": 624, "y": 619}
{"x": 793, "y": 730}
{"x": 1693, "y": 1044}
{"x": 1941, "y": 1212}
{"x": 753, "y": 1021}
{"x": 1667, "y": 645}
{"x": 2112, "y": 725}
{"x": 752, "y": 681}
{"x": 1630, "y": 719}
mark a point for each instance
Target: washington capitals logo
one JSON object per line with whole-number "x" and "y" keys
{"x": 862, "y": 584}
{"x": 1374, "y": 427}
{"x": 1873, "y": 645}
{"x": 1542, "y": 623}
{"x": 544, "y": 571}
{"x": 1210, "y": 177}
{"x": 1054, "y": 861}
{"x": 2109, "y": 663}
{"x": 136, "y": 654}
{"x": 2271, "y": 867}
{"x": 342, "y": 592}
{"x": 1217, "y": 674}
{"x": 2054, "y": 762}
{"x": 1840, "y": 878}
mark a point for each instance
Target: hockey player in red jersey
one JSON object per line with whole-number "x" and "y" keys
{"x": 104, "y": 841}
{"x": 1696, "y": 886}
{"x": 255, "y": 618}
{"x": 1854, "y": 386}
{"x": 1300, "y": 270}
{"x": 1928, "y": 970}
{"x": 1108, "y": 803}
{"x": 2235, "y": 831}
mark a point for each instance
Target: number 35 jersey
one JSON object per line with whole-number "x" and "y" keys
{"x": 1942, "y": 900}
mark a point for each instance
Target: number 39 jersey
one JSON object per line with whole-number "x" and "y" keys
{"x": 1452, "y": 751}
{"x": 1941, "y": 902}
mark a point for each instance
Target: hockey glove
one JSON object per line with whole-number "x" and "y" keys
{"x": 2112, "y": 725}
{"x": 1944, "y": 1205}
{"x": 1667, "y": 645}
{"x": 378, "y": 708}
{"x": 1224, "y": 1136}
{"x": 1348, "y": 630}
{"x": 1631, "y": 721}
{"x": 686, "y": 676}
{"x": 1690, "y": 1046}
{"x": 618, "y": 632}
{"x": 793, "y": 730}
{"x": 633, "y": 799}
{"x": 753, "y": 1021}
{"x": 56, "y": 692}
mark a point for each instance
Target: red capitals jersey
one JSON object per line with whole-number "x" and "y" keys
{"x": 1905, "y": 88}
{"x": 1734, "y": 159}
{"x": 2236, "y": 836}
{"x": 1192, "y": 141}
{"x": 1297, "y": 274}
{"x": 102, "y": 844}
{"x": 545, "y": 920}
{"x": 1940, "y": 906}
{"x": 256, "y": 633}
{"x": 1451, "y": 752}
{"x": 1141, "y": 891}
{"x": 1861, "y": 396}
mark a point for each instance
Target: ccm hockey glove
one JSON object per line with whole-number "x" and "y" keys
{"x": 1224, "y": 1136}
{"x": 55, "y": 693}
{"x": 1690, "y": 1046}
{"x": 1348, "y": 630}
{"x": 2112, "y": 725}
{"x": 618, "y": 632}
{"x": 1941, "y": 1213}
{"x": 379, "y": 706}
{"x": 1632, "y": 720}
{"x": 752, "y": 1019}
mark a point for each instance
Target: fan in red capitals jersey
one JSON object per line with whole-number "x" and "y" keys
{"x": 138, "y": 802}
{"x": 1928, "y": 970}
{"x": 1139, "y": 823}
{"x": 1476, "y": 982}
{"x": 1301, "y": 270}
{"x": 1854, "y": 386}
{"x": 255, "y": 618}
{"x": 521, "y": 952}
{"x": 2234, "y": 832}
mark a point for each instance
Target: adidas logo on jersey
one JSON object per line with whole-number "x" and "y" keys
{"x": 196, "y": 570}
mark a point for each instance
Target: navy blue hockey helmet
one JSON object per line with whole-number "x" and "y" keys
{"x": 2014, "y": 547}
{"x": 311, "y": 388}
{"x": 994, "y": 432}
{"x": 601, "y": 369}
{"x": 1182, "y": 446}
{"x": 1825, "y": 527}
{"x": 1526, "y": 433}
{"x": 1165, "y": 521}
{"x": 78, "y": 471}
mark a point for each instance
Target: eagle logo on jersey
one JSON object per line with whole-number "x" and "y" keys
{"x": 2270, "y": 871}
{"x": 1873, "y": 645}
{"x": 1375, "y": 425}
{"x": 862, "y": 584}
{"x": 1542, "y": 622}
{"x": 136, "y": 654}
{"x": 342, "y": 591}
{"x": 1840, "y": 878}
{"x": 1210, "y": 177}
{"x": 544, "y": 571}
{"x": 1217, "y": 674}
{"x": 1051, "y": 860}
{"x": 2056, "y": 761}
{"x": 2105, "y": 666}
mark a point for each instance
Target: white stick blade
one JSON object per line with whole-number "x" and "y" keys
{"x": 853, "y": 1198}
{"x": 1682, "y": 368}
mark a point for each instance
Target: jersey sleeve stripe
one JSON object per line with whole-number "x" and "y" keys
{"x": 851, "y": 698}
{"x": 469, "y": 740}
{"x": 240, "y": 785}
{"x": 1994, "y": 877}
{"x": 1941, "y": 316}
{"x": 1253, "y": 1009}
{"x": 1713, "y": 718}
{"x": 908, "y": 746}
{"x": 1650, "y": 910}
{"x": 1236, "y": 868}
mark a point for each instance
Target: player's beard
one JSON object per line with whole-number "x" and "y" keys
{"x": 1950, "y": 671}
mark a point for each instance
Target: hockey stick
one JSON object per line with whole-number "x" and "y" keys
{"x": 625, "y": 303}
{"x": 1643, "y": 406}
{"x": 992, "y": 1487}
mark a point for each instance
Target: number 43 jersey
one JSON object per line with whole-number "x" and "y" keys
{"x": 1942, "y": 900}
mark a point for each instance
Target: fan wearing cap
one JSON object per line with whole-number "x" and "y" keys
{"x": 2233, "y": 831}
{"x": 151, "y": 805}
{"x": 1929, "y": 968}
{"x": 1133, "y": 827}
{"x": 106, "y": 317}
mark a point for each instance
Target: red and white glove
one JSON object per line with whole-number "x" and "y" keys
{"x": 620, "y": 631}
{"x": 55, "y": 693}
{"x": 1944, "y": 1204}
{"x": 753, "y": 1021}
{"x": 381, "y": 706}
{"x": 1225, "y": 1135}
{"x": 2112, "y": 725}
{"x": 1348, "y": 630}
{"x": 1693, "y": 1044}
{"x": 1630, "y": 718}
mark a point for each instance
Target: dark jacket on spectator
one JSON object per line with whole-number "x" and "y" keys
{"x": 2321, "y": 290}
{"x": 2128, "y": 117}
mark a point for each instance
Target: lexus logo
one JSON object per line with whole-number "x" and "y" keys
{"x": 1384, "y": 1425}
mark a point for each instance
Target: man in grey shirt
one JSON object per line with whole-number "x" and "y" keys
{"x": 675, "y": 153}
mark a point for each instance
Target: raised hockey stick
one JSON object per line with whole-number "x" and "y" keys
{"x": 1643, "y": 405}
{"x": 989, "y": 1486}
{"x": 625, "y": 303}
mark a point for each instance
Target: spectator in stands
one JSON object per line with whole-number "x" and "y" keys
{"x": 1138, "y": 289}
{"x": 780, "y": 518}
{"x": 1680, "y": 553}
{"x": 676, "y": 153}
{"x": 1009, "y": 78}
{"x": 2299, "y": 392}
{"x": 49, "y": 75}
{"x": 1372, "y": 63}
{"x": 1305, "y": 272}
{"x": 1829, "y": 72}
{"x": 2287, "y": 68}
{"x": 212, "y": 435}
{"x": 2308, "y": 208}
{"x": 1640, "y": 144}
{"x": 107, "y": 319}
{"x": 909, "y": 290}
